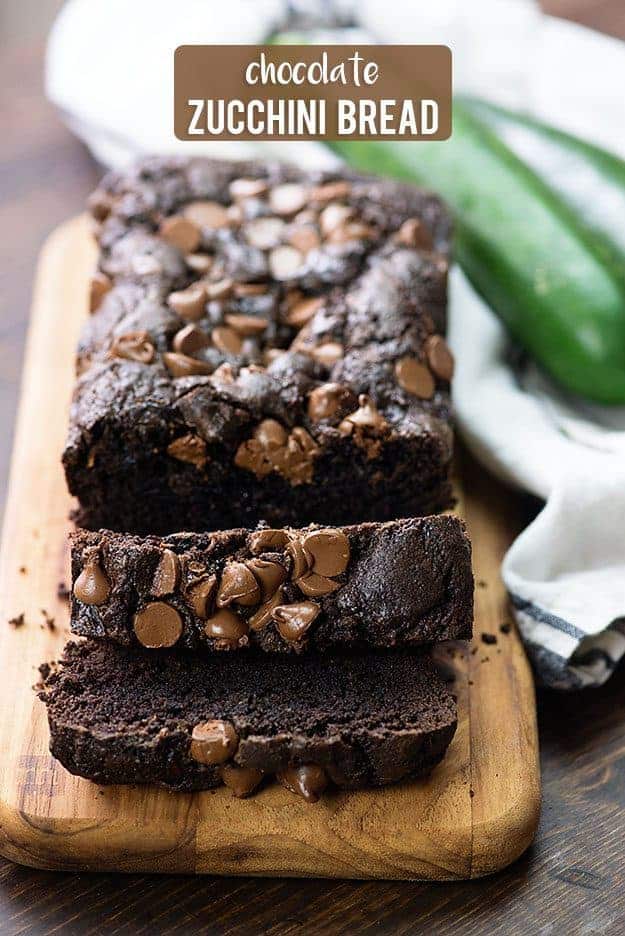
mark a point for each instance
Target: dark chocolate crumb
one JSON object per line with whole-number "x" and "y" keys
{"x": 473, "y": 651}
{"x": 506, "y": 627}
{"x": 485, "y": 660}
{"x": 471, "y": 793}
{"x": 470, "y": 682}
{"x": 489, "y": 638}
{"x": 48, "y": 619}
{"x": 18, "y": 621}
{"x": 481, "y": 583}
{"x": 63, "y": 591}
{"x": 23, "y": 570}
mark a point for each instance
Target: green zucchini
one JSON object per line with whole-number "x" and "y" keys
{"x": 540, "y": 234}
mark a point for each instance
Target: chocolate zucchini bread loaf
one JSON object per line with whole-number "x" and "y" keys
{"x": 118, "y": 715}
{"x": 399, "y": 583}
{"x": 265, "y": 344}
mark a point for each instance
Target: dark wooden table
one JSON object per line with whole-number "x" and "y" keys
{"x": 572, "y": 880}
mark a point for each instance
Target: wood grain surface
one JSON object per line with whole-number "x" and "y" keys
{"x": 572, "y": 880}
{"x": 476, "y": 813}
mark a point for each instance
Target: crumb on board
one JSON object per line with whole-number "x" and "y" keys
{"x": 48, "y": 620}
{"x": 18, "y": 621}
{"x": 488, "y": 638}
{"x": 485, "y": 660}
{"x": 471, "y": 793}
{"x": 23, "y": 570}
{"x": 63, "y": 591}
{"x": 506, "y": 627}
{"x": 481, "y": 583}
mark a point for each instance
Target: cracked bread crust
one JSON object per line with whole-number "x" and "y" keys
{"x": 118, "y": 716}
{"x": 151, "y": 450}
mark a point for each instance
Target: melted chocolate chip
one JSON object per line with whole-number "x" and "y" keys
{"x": 414, "y": 377}
{"x": 293, "y": 620}
{"x": 269, "y": 575}
{"x": 213, "y": 742}
{"x": 315, "y": 585}
{"x": 181, "y": 233}
{"x": 267, "y": 540}
{"x": 200, "y": 595}
{"x": 238, "y": 585}
{"x": 308, "y": 781}
{"x": 99, "y": 285}
{"x": 92, "y": 587}
{"x": 263, "y": 616}
{"x": 329, "y": 550}
{"x": 189, "y": 303}
{"x": 167, "y": 574}
{"x": 133, "y": 346}
{"x": 157, "y": 625}
{"x": 226, "y": 626}
{"x": 241, "y": 780}
{"x": 189, "y": 448}
{"x": 180, "y": 365}
{"x": 440, "y": 358}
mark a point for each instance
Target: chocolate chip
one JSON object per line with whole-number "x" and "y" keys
{"x": 245, "y": 290}
{"x": 263, "y": 615}
{"x": 285, "y": 262}
{"x": 329, "y": 550}
{"x": 167, "y": 574}
{"x": 349, "y": 232}
{"x": 248, "y": 188}
{"x": 271, "y": 434}
{"x": 326, "y": 401}
{"x": 92, "y": 587}
{"x": 267, "y": 540}
{"x": 213, "y": 742}
{"x": 206, "y": 214}
{"x": 157, "y": 625}
{"x": 334, "y": 216}
{"x": 189, "y": 303}
{"x": 302, "y": 560}
{"x": 199, "y": 262}
{"x": 181, "y": 233}
{"x": 99, "y": 285}
{"x": 305, "y": 237}
{"x": 133, "y": 346}
{"x": 315, "y": 585}
{"x": 264, "y": 233}
{"x": 220, "y": 289}
{"x": 301, "y": 312}
{"x": 189, "y": 448}
{"x": 293, "y": 620}
{"x": 226, "y": 626}
{"x": 180, "y": 365}
{"x": 288, "y": 199}
{"x": 226, "y": 340}
{"x": 331, "y": 191}
{"x": 308, "y": 781}
{"x": 440, "y": 358}
{"x": 246, "y": 325}
{"x": 414, "y": 377}
{"x": 413, "y": 233}
{"x": 269, "y": 575}
{"x": 190, "y": 339}
{"x": 328, "y": 353}
{"x": 238, "y": 585}
{"x": 200, "y": 595}
{"x": 366, "y": 416}
{"x": 241, "y": 780}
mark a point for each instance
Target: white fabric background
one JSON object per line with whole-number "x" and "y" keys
{"x": 109, "y": 71}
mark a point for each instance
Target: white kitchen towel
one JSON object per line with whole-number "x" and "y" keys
{"x": 566, "y": 572}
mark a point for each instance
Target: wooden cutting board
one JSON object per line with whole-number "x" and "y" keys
{"x": 475, "y": 814}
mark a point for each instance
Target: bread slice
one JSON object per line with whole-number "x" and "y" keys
{"x": 400, "y": 583}
{"x": 118, "y": 715}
